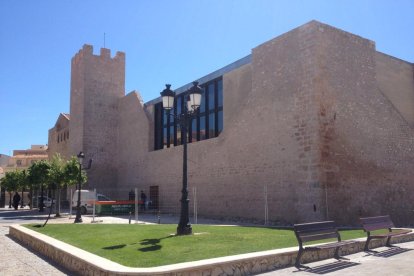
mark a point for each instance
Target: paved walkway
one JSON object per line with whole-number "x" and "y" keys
{"x": 18, "y": 260}
{"x": 395, "y": 261}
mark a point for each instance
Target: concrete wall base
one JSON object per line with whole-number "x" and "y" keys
{"x": 85, "y": 263}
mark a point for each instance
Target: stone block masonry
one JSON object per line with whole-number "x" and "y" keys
{"x": 317, "y": 118}
{"x": 97, "y": 84}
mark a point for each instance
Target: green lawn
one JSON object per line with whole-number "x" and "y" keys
{"x": 155, "y": 245}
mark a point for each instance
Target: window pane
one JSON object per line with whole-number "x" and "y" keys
{"x": 165, "y": 116}
{"x": 220, "y": 92}
{"x": 220, "y": 121}
{"x": 194, "y": 130}
{"x": 171, "y": 118}
{"x": 171, "y": 135}
{"x": 202, "y": 127}
{"x": 211, "y": 126}
{"x": 203, "y": 100}
{"x": 211, "y": 96}
{"x": 158, "y": 131}
{"x": 179, "y": 101}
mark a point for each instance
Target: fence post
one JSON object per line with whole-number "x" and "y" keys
{"x": 70, "y": 205}
{"x": 195, "y": 204}
{"x": 136, "y": 205}
{"x": 266, "y": 208}
{"x": 94, "y": 204}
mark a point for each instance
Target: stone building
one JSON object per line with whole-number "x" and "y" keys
{"x": 315, "y": 124}
{"x": 23, "y": 159}
{"x": 59, "y": 137}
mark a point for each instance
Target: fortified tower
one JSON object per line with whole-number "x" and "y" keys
{"x": 97, "y": 84}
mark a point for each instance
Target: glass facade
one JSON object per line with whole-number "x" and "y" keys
{"x": 207, "y": 124}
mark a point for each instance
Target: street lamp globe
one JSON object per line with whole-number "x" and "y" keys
{"x": 194, "y": 97}
{"x": 81, "y": 155}
{"x": 167, "y": 97}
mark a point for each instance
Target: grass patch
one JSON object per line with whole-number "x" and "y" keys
{"x": 155, "y": 245}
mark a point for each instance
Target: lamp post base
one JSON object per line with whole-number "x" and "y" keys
{"x": 78, "y": 218}
{"x": 184, "y": 230}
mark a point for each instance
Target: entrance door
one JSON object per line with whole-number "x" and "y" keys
{"x": 154, "y": 197}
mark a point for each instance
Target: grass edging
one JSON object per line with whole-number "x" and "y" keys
{"x": 83, "y": 262}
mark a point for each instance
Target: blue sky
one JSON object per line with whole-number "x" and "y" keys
{"x": 165, "y": 42}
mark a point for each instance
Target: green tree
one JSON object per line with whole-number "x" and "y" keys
{"x": 22, "y": 184}
{"x": 39, "y": 178}
{"x": 10, "y": 181}
{"x": 71, "y": 172}
{"x": 57, "y": 177}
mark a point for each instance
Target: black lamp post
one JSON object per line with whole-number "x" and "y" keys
{"x": 81, "y": 155}
{"x": 190, "y": 110}
{"x": 78, "y": 218}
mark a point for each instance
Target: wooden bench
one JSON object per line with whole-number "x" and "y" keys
{"x": 380, "y": 223}
{"x": 316, "y": 231}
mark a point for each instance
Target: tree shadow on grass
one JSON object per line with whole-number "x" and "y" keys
{"x": 152, "y": 244}
{"x": 119, "y": 246}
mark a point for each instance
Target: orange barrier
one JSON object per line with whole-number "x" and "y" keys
{"x": 117, "y": 202}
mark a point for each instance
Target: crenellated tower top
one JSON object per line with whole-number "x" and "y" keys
{"x": 105, "y": 54}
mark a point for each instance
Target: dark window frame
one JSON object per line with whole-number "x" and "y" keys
{"x": 160, "y": 115}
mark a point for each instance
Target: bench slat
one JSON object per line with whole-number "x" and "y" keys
{"x": 377, "y": 226}
{"x": 376, "y": 223}
{"x": 332, "y": 245}
{"x": 314, "y": 225}
{"x": 390, "y": 234}
{"x": 316, "y": 232}
{"x": 380, "y": 221}
{"x": 317, "y": 237}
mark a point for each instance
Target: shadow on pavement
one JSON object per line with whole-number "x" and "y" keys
{"x": 392, "y": 251}
{"x": 327, "y": 268}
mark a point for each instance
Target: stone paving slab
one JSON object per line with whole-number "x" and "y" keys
{"x": 396, "y": 261}
{"x": 19, "y": 260}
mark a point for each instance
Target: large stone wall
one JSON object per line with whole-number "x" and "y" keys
{"x": 270, "y": 139}
{"x": 395, "y": 79}
{"x": 133, "y": 143}
{"x": 308, "y": 120}
{"x": 97, "y": 84}
{"x": 367, "y": 147}
{"x": 319, "y": 124}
